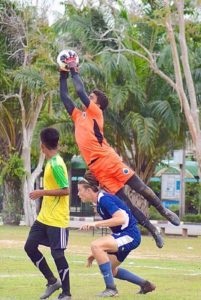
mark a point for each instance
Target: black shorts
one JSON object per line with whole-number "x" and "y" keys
{"x": 50, "y": 236}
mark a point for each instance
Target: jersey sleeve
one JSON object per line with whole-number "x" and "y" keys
{"x": 75, "y": 114}
{"x": 107, "y": 204}
{"x": 60, "y": 177}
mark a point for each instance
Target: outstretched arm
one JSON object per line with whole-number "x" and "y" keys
{"x": 118, "y": 218}
{"x": 79, "y": 86}
{"x": 68, "y": 103}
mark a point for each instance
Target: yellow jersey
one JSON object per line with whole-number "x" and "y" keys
{"x": 55, "y": 209}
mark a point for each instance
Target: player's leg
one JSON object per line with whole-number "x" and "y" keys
{"x": 128, "y": 241}
{"x": 123, "y": 274}
{"x": 58, "y": 238}
{"x": 140, "y": 187}
{"x": 115, "y": 174}
{"x": 112, "y": 175}
{"x": 142, "y": 219}
{"x": 99, "y": 249}
{"x": 38, "y": 236}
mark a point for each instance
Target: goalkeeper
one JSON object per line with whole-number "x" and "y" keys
{"x": 101, "y": 159}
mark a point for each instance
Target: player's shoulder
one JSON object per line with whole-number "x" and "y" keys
{"x": 76, "y": 113}
{"x": 56, "y": 160}
{"x": 104, "y": 198}
{"x": 93, "y": 107}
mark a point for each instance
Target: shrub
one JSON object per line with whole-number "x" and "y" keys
{"x": 11, "y": 178}
{"x": 192, "y": 218}
{"x": 155, "y": 215}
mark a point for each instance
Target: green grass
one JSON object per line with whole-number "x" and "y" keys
{"x": 175, "y": 269}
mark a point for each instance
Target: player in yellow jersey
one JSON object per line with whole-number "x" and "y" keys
{"x": 51, "y": 227}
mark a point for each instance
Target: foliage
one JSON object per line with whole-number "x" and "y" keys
{"x": 30, "y": 46}
{"x": 156, "y": 187}
{"x": 192, "y": 200}
{"x": 193, "y": 197}
{"x": 13, "y": 169}
{"x": 155, "y": 215}
{"x": 143, "y": 121}
{"x": 11, "y": 176}
{"x": 192, "y": 218}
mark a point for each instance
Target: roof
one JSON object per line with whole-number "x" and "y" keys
{"x": 169, "y": 167}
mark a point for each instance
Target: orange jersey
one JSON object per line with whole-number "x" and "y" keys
{"x": 111, "y": 172}
{"x": 89, "y": 133}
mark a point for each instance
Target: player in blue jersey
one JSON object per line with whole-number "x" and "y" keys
{"x": 110, "y": 251}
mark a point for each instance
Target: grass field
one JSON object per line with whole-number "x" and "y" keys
{"x": 175, "y": 269}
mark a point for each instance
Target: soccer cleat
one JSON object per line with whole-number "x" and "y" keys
{"x": 63, "y": 296}
{"x": 171, "y": 216}
{"x": 108, "y": 293}
{"x": 51, "y": 288}
{"x": 158, "y": 239}
{"x": 147, "y": 287}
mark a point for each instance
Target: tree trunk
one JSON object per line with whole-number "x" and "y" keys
{"x": 191, "y": 110}
{"x": 12, "y": 203}
{"x": 198, "y": 152}
{"x": 29, "y": 205}
{"x": 137, "y": 200}
{"x": 28, "y": 186}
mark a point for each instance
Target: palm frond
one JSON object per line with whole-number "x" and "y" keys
{"x": 91, "y": 69}
{"x": 7, "y": 127}
{"x": 146, "y": 130}
{"x": 116, "y": 64}
{"x": 118, "y": 97}
{"x": 30, "y": 78}
{"x": 107, "y": 16}
{"x": 165, "y": 58}
{"x": 163, "y": 111}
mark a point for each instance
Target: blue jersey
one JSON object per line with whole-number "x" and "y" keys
{"x": 108, "y": 204}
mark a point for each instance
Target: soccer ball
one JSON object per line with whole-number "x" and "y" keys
{"x": 64, "y": 56}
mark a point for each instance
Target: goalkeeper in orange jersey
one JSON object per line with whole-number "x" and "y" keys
{"x": 104, "y": 163}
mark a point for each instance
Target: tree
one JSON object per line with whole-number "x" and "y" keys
{"x": 143, "y": 124}
{"x": 11, "y": 176}
{"x": 186, "y": 96}
{"x": 29, "y": 42}
{"x": 170, "y": 15}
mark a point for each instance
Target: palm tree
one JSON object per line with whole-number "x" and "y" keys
{"x": 143, "y": 124}
{"x": 29, "y": 42}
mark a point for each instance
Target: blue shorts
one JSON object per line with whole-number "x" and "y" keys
{"x": 126, "y": 241}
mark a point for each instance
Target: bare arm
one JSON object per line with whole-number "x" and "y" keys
{"x": 40, "y": 193}
{"x": 118, "y": 218}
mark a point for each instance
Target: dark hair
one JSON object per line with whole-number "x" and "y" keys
{"x": 50, "y": 137}
{"x": 89, "y": 181}
{"x": 102, "y": 99}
